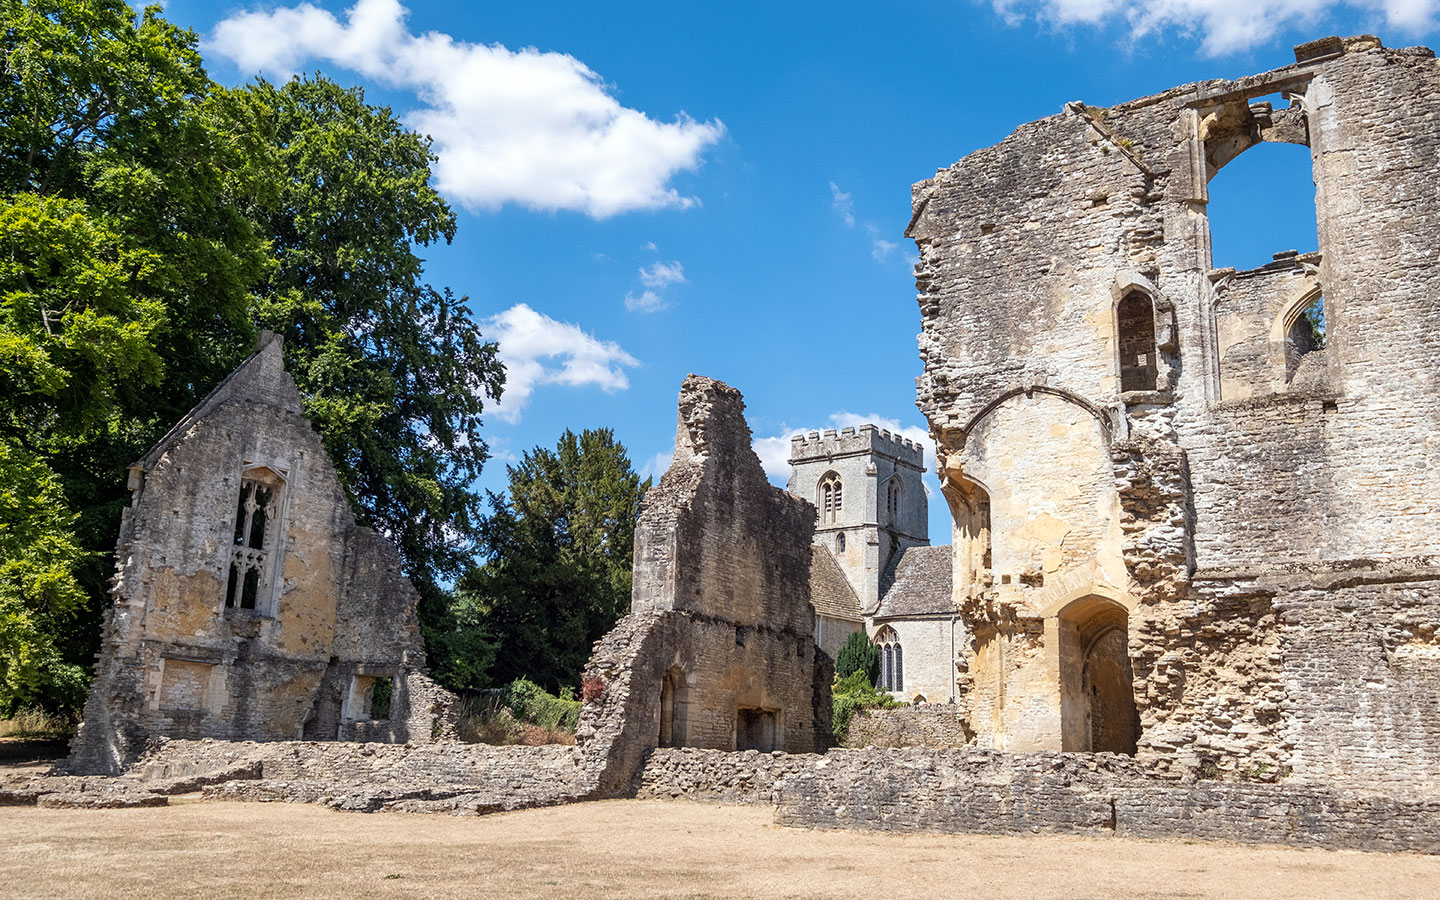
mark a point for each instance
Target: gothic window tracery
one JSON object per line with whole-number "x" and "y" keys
{"x": 830, "y": 499}
{"x": 257, "y": 526}
{"x": 892, "y": 660}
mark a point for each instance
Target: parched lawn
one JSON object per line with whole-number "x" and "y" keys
{"x": 632, "y": 849}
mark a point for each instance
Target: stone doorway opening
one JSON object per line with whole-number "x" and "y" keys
{"x": 1097, "y": 692}
{"x": 674, "y": 708}
{"x": 757, "y": 729}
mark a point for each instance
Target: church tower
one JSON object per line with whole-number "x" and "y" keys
{"x": 867, "y": 488}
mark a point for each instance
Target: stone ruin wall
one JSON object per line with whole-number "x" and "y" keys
{"x": 1278, "y": 530}
{"x": 177, "y": 661}
{"x": 721, "y": 630}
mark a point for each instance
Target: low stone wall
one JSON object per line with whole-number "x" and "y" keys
{"x": 935, "y": 726}
{"x": 991, "y": 792}
{"x": 717, "y": 776}
{"x": 439, "y": 777}
{"x": 876, "y": 789}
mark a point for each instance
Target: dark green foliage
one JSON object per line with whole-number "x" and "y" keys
{"x": 854, "y": 692}
{"x": 394, "y": 372}
{"x": 857, "y": 654}
{"x": 557, "y": 573}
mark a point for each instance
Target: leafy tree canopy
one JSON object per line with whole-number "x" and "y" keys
{"x": 558, "y": 571}
{"x": 149, "y": 220}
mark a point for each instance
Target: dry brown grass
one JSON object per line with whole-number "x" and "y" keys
{"x": 632, "y": 849}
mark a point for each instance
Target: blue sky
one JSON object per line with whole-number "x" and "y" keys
{"x": 647, "y": 189}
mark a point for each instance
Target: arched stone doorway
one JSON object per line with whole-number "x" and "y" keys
{"x": 1097, "y": 693}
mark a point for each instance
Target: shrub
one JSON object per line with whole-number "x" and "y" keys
{"x": 36, "y": 724}
{"x": 530, "y": 703}
{"x": 855, "y": 691}
{"x": 857, "y": 654}
{"x": 591, "y": 687}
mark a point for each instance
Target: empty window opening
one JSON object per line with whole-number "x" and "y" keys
{"x": 1135, "y": 320}
{"x": 674, "y": 708}
{"x": 757, "y": 729}
{"x": 256, "y": 533}
{"x": 1305, "y": 334}
{"x": 382, "y": 689}
{"x": 370, "y": 698}
{"x": 892, "y": 660}
{"x": 830, "y": 499}
{"x": 892, "y": 500}
{"x": 840, "y": 542}
{"x": 1263, "y": 202}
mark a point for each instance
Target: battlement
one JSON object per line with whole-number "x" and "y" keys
{"x": 868, "y": 439}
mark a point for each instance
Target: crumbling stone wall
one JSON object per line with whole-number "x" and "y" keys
{"x": 1248, "y": 478}
{"x": 718, "y": 650}
{"x": 190, "y": 648}
{"x": 933, "y": 725}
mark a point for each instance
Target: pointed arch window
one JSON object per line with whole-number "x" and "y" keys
{"x": 830, "y": 498}
{"x": 257, "y": 535}
{"x": 892, "y": 660}
{"x": 892, "y": 499}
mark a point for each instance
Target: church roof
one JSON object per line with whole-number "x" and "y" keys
{"x": 830, "y": 591}
{"x": 919, "y": 584}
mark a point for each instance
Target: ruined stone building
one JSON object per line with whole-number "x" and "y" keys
{"x": 1182, "y": 529}
{"x": 248, "y": 604}
{"x": 718, "y": 649}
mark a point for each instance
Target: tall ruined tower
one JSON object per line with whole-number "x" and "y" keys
{"x": 867, "y": 489}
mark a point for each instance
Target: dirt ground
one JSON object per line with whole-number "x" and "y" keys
{"x": 632, "y": 848}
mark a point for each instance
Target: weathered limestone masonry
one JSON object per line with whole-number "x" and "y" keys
{"x": 1182, "y": 530}
{"x": 935, "y": 725}
{"x": 718, "y": 649}
{"x": 248, "y": 604}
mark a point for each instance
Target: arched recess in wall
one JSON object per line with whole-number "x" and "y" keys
{"x": 1261, "y": 192}
{"x": 893, "y": 499}
{"x": 971, "y": 553}
{"x": 1135, "y": 340}
{"x": 1097, "y": 693}
{"x": 674, "y": 708}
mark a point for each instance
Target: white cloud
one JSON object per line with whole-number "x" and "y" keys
{"x": 539, "y": 129}
{"x": 656, "y": 278}
{"x": 843, "y": 204}
{"x": 647, "y": 302}
{"x": 880, "y": 248}
{"x": 1228, "y": 26}
{"x": 774, "y": 451}
{"x": 537, "y": 350}
{"x": 662, "y": 274}
{"x": 650, "y": 245}
{"x": 656, "y": 465}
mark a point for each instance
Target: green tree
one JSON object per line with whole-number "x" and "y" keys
{"x": 125, "y": 257}
{"x": 149, "y": 220}
{"x": 394, "y": 372}
{"x": 857, "y": 654}
{"x": 559, "y": 557}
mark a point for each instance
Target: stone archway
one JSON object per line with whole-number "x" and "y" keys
{"x": 1097, "y": 694}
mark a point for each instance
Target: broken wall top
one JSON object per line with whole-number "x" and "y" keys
{"x": 715, "y": 538}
